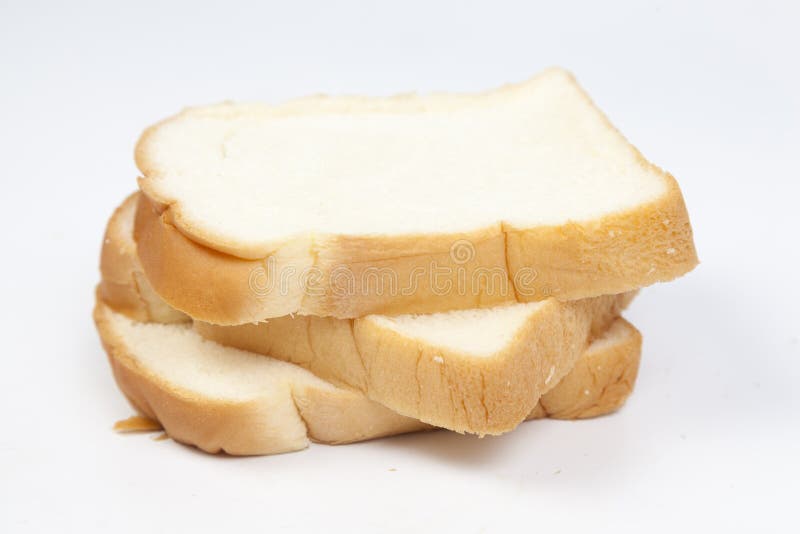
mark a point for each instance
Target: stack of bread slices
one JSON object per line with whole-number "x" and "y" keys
{"x": 336, "y": 269}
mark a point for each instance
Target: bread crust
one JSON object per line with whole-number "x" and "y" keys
{"x": 618, "y": 254}
{"x": 208, "y": 276}
{"x": 602, "y": 378}
{"x": 123, "y": 284}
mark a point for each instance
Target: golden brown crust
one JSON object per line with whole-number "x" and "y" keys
{"x": 615, "y": 254}
{"x": 224, "y": 289}
{"x": 117, "y": 285}
{"x": 601, "y": 380}
{"x": 207, "y": 283}
{"x": 123, "y": 284}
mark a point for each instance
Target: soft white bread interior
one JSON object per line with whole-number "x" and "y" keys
{"x": 221, "y": 399}
{"x": 530, "y": 178}
{"x": 479, "y": 371}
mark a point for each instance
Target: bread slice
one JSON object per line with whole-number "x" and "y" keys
{"x": 351, "y": 206}
{"x": 222, "y": 399}
{"x": 479, "y": 371}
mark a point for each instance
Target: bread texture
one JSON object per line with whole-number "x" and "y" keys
{"x": 479, "y": 371}
{"x": 317, "y": 205}
{"x": 221, "y": 399}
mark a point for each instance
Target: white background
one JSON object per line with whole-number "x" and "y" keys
{"x": 710, "y": 438}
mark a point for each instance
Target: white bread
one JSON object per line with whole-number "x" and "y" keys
{"x": 479, "y": 371}
{"x": 222, "y": 399}
{"x": 529, "y": 183}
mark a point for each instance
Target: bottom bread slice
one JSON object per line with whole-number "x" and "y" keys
{"x": 222, "y": 399}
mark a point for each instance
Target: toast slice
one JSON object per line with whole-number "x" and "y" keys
{"x": 221, "y": 399}
{"x": 347, "y": 206}
{"x": 479, "y": 371}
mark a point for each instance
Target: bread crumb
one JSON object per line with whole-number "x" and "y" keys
{"x": 392, "y": 469}
{"x": 550, "y": 375}
{"x": 137, "y": 423}
{"x": 438, "y": 359}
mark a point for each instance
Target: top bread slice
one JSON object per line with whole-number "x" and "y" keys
{"x": 478, "y": 371}
{"x": 348, "y": 206}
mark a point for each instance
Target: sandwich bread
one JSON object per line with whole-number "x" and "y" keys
{"x": 525, "y": 192}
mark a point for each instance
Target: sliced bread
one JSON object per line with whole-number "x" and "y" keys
{"x": 222, "y": 399}
{"x": 455, "y": 201}
{"x": 479, "y": 371}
